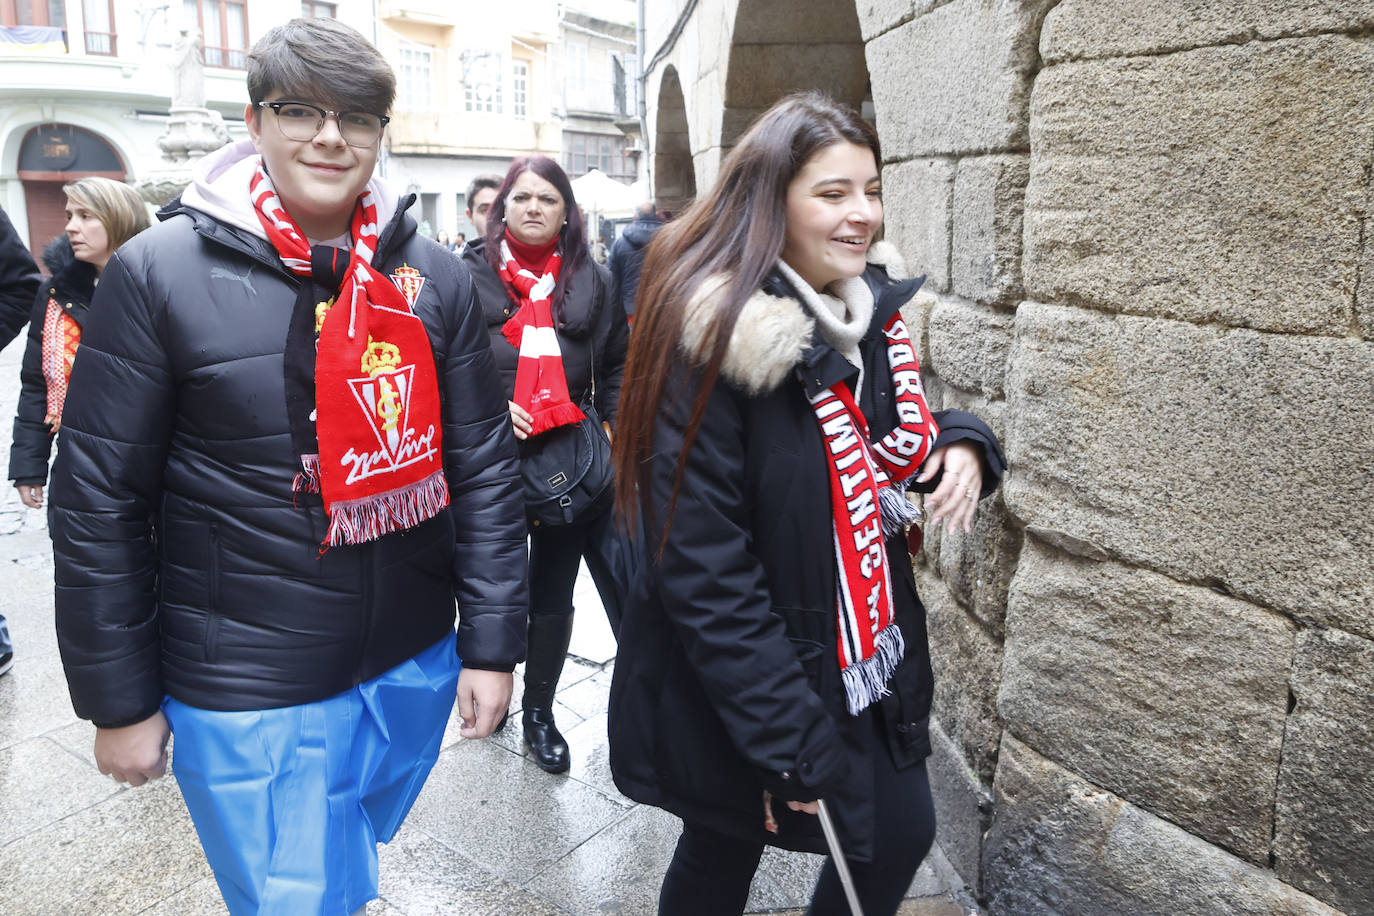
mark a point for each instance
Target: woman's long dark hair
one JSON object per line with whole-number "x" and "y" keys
{"x": 736, "y": 230}
{"x": 574, "y": 233}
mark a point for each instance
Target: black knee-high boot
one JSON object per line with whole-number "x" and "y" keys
{"x": 549, "y": 635}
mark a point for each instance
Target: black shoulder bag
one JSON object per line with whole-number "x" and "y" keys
{"x": 567, "y": 469}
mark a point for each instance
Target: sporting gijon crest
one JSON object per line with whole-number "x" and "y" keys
{"x": 409, "y": 281}
{"x": 383, "y": 395}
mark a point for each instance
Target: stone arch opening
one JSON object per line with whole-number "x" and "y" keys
{"x": 675, "y": 182}
{"x": 782, "y": 46}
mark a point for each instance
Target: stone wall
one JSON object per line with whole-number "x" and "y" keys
{"x": 1145, "y": 228}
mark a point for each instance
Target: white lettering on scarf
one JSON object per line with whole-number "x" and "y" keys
{"x": 414, "y": 447}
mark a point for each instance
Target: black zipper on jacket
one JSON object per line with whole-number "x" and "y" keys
{"x": 212, "y": 616}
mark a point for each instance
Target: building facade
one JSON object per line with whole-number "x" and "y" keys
{"x": 84, "y": 89}
{"x": 599, "y": 86}
{"x": 475, "y": 90}
{"x": 1145, "y": 237}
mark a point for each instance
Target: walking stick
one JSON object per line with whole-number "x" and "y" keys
{"x": 832, "y": 839}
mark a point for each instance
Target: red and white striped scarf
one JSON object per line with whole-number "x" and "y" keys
{"x": 380, "y": 463}
{"x": 866, "y": 508}
{"x": 541, "y": 385}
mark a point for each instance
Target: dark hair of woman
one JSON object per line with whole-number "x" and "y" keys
{"x": 574, "y": 234}
{"x": 737, "y": 230}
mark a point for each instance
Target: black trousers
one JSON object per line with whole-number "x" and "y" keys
{"x": 556, "y": 552}
{"x": 711, "y": 872}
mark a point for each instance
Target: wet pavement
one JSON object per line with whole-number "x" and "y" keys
{"x": 490, "y": 834}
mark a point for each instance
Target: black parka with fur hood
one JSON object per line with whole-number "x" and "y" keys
{"x": 726, "y": 679}
{"x": 185, "y": 565}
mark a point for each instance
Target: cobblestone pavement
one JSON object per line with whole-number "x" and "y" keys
{"x": 490, "y": 834}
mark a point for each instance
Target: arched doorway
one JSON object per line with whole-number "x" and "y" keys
{"x": 782, "y": 46}
{"x": 675, "y": 182}
{"x": 50, "y": 156}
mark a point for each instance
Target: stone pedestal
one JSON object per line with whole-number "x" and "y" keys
{"x": 191, "y": 133}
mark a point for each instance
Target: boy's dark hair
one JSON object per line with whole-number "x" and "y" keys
{"x": 321, "y": 60}
{"x": 489, "y": 180}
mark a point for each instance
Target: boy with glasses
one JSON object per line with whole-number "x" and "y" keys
{"x": 287, "y": 456}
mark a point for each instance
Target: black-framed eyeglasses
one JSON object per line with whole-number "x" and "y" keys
{"x": 302, "y": 121}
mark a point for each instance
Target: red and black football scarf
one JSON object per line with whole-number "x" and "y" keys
{"x": 378, "y": 464}
{"x": 541, "y": 385}
{"x": 866, "y": 508}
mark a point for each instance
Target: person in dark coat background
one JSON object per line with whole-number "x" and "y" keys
{"x": 535, "y": 220}
{"x": 774, "y": 651}
{"x": 284, "y": 464}
{"x": 102, "y": 214}
{"x": 19, "y": 279}
{"x": 627, "y": 253}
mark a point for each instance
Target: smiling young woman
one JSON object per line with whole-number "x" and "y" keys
{"x": 773, "y": 417}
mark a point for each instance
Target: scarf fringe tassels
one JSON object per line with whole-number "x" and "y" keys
{"x": 866, "y": 681}
{"x": 307, "y": 479}
{"x": 899, "y": 513}
{"x": 358, "y": 520}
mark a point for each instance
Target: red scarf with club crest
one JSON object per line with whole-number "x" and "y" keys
{"x": 541, "y": 385}
{"x": 380, "y": 463}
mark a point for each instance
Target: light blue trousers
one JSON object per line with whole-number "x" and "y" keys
{"x": 290, "y": 803}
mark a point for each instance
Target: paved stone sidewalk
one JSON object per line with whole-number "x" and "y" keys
{"x": 490, "y": 834}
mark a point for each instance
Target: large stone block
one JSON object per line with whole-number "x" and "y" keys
{"x": 1171, "y": 696}
{"x": 1194, "y": 185}
{"x": 1117, "y": 28}
{"x": 969, "y": 344}
{"x": 1221, "y": 457}
{"x": 967, "y": 661}
{"x": 989, "y": 202}
{"x": 920, "y": 227}
{"x": 1061, "y": 846}
{"x": 957, "y": 80}
{"x": 877, "y": 16}
{"x": 963, "y": 806}
{"x": 1324, "y": 841}
{"x": 977, "y": 566}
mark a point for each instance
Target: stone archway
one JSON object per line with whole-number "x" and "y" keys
{"x": 782, "y": 46}
{"x": 675, "y": 183}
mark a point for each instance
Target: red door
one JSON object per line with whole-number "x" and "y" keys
{"x": 45, "y": 203}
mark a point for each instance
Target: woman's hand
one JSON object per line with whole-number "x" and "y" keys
{"x": 30, "y": 495}
{"x": 770, "y": 823}
{"x": 956, "y": 498}
{"x": 520, "y": 419}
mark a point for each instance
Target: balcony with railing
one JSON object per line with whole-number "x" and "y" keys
{"x": 101, "y": 43}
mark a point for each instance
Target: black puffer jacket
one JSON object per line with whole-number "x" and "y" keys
{"x": 726, "y": 679}
{"x": 589, "y": 321}
{"x": 71, "y": 285}
{"x": 183, "y": 563}
{"x": 19, "y": 279}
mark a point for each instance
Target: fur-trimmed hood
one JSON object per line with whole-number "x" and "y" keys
{"x": 772, "y": 332}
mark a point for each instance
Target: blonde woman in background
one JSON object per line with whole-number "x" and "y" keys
{"x": 102, "y": 214}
